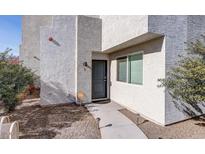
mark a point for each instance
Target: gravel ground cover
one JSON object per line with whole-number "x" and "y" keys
{"x": 60, "y": 121}
{"x": 190, "y": 129}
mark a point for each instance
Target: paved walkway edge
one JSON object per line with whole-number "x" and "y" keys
{"x": 113, "y": 124}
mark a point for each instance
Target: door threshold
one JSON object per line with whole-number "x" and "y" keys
{"x": 101, "y": 99}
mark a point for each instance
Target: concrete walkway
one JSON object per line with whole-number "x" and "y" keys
{"x": 121, "y": 127}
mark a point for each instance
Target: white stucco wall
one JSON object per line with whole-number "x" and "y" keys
{"x": 146, "y": 99}
{"x": 117, "y": 29}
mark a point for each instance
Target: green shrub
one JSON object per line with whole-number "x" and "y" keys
{"x": 14, "y": 78}
{"x": 186, "y": 81}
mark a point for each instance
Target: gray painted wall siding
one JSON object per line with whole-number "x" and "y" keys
{"x": 88, "y": 40}
{"x": 177, "y": 30}
{"x": 58, "y": 62}
{"x": 62, "y": 70}
{"x": 30, "y": 47}
{"x": 196, "y": 27}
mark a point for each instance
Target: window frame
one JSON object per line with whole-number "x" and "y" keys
{"x": 127, "y": 75}
{"x": 123, "y": 57}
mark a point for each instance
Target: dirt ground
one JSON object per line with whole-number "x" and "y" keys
{"x": 189, "y": 129}
{"x": 62, "y": 121}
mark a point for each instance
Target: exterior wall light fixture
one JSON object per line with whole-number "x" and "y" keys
{"x": 50, "y": 39}
{"x": 54, "y": 41}
{"x": 85, "y": 64}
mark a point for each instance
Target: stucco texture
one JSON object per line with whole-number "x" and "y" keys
{"x": 58, "y": 61}
{"x": 117, "y": 29}
{"x": 146, "y": 99}
{"x": 30, "y": 48}
{"x": 177, "y": 31}
{"x": 88, "y": 40}
{"x": 63, "y": 74}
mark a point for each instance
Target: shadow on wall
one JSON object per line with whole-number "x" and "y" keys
{"x": 155, "y": 45}
{"x": 187, "y": 111}
{"x": 55, "y": 93}
{"x": 37, "y": 82}
{"x": 190, "y": 110}
{"x": 149, "y": 47}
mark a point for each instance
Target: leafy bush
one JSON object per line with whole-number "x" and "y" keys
{"x": 14, "y": 78}
{"x": 186, "y": 81}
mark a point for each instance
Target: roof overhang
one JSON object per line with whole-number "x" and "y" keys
{"x": 134, "y": 41}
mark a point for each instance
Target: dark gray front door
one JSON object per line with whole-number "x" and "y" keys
{"x": 99, "y": 79}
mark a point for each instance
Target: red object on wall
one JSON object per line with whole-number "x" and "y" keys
{"x": 50, "y": 39}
